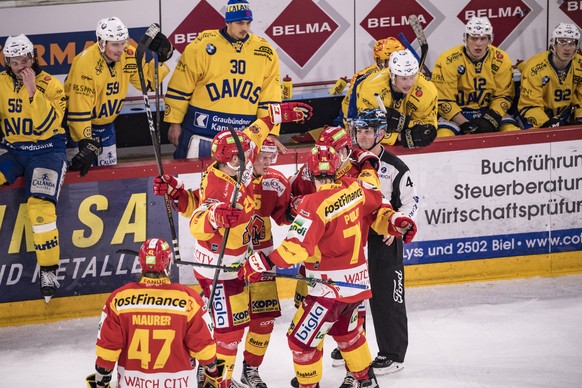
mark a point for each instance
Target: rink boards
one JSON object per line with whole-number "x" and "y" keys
{"x": 491, "y": 206}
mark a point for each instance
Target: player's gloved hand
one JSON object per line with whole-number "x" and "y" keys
{"x": 88, "y": 152}
{"x": 167, "y": 184}
{"x": 419, "y": 135}
{"x": 553, "y": 122}
{"x": 402, "y": 227}
{"x": 489, "y": 121}
{"x": 395, "y": 120}
{"x": 469, "y": 127}
{"x": 287, "y": 112}
{"x": 222, "y": 215}
{"x": 214, "y": 374}
{"x": 293, "y": 205}
{"x": 101, "y": 378}
{"x": 252, "y": 268}
{"x": 174, "y": 187}
{"x": 161, "y": 45}
{"x": 362, "y": 157}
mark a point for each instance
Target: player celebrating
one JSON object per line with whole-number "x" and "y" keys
{"x": 313, "y": 237}
{"x": 224, "y": 77}
{"x": 410, "y": 100}
{"x": 475, "y": 84}
{"x": 152, "y": 329}
{"x": 271, "y": 195}
{"x": 551, "y": 90}
{"x": 31, "y": 111}
{"x": 97, "y": 85}
{"x": 209, "y": 222}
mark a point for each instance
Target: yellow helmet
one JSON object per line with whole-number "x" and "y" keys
{"x": 384, "y": 47}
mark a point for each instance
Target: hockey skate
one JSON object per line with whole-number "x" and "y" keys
{"x": 383, "y": 365}
{"x": 336, "y": 358}
{"x": 295, "y": 383}
{"x": 200, "y": 375}
{"x": 370, "y": 382}
{"x": 349, "y": 381}
{"x": 48, "y": 282}
{"x": 250, "y": 376}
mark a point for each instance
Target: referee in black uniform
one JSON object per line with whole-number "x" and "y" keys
{"x": 385, "y": 253}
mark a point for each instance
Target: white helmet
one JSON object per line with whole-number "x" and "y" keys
{"x": 18, "y": 46}
{"x": 112, "y": 30}
{"x": 479, "y": 27}
{"x": 566, "y": 31}
{"x": 403, "y": 63}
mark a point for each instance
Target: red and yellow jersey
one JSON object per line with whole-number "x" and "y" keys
{"x": 151, "y": 329}
{"x": 545, "y": 93}
{"x": 23, "y": 121}
{"x": 327, "y": 235}
{"x": 217, "y": 186}
{"x": 301, "y": 183}
{"x": 464, "y": 84}
{"x": 97, "y": 91}
{"x": 419, "y": 105}
{"x": 272, "y": 196}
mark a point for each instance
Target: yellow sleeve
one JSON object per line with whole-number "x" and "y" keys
{"x": 182, "y": 85}
{"x": 531, "y": 100}
{"x": 444, "y": 77}
{"x": 504, "y": 85}
{"x": 271, "y": 90}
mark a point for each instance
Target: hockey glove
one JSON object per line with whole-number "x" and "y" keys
{"x": 469, "y": 128}
{"x": 419, "y": 135}
{"x": 214, "y": 374}
{"x": 288, "y": 112}
{"x": 224, "y": 216}
{"x": 101, "y": 378}
{"x": 489, "y": 121}
{"x": 252, "y": 268}
{"x": 88, "y": 152}
{"x": 161, "y": 45}
{"x": 402, "y": 227}
{"x": 293, "y": 205}
{"x": 553, "y": 122}
{"x": 362, "y": 157}
{"x": 175, "y": 190}
{"x": 394, "y": 120}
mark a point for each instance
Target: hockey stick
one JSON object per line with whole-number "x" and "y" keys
{"x": 421, "y": 38}
{"x": 241, "y": 170}
{"x": 268, "y": 274}
{"x": 145, "y": 41}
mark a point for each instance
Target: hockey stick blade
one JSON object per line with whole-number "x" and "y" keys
{"x": 421, "y": 38}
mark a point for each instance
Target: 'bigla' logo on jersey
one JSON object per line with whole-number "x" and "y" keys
{"x": 508, "y": 17}
{"x": 305, "y": 31}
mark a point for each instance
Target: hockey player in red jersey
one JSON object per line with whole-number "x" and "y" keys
{"x": 210, "y": 220}
{"x": 327, "y": 236}
{"x": 271, "y": 194}
{"x": 152, "y": 328}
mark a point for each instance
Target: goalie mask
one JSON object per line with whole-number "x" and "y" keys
{"x": 383, "y": 48}
{"x": 323, "y": 162}
{"x": 155, "y": 255}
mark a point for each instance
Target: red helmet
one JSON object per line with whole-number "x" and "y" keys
{"x": 154, "y": 255}
{"x": 269, "y": 146}
{"x": 336, "y": 137}
{"x": 223, "y": 145}
{"x": 323, "y": 161}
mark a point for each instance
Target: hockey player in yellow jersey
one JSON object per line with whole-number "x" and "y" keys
{"x": 475, "y": 84}
{"x": 551, "y": 82}
{"x": 410, "y": 100}
{"x": 96, "y": 87}
{"x": 32, "y": 106}
{"x": 226, "y": 76}
{"x": 382, "y": 50}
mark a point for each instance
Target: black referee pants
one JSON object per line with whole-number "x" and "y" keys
{"x": 386, "y": 271}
